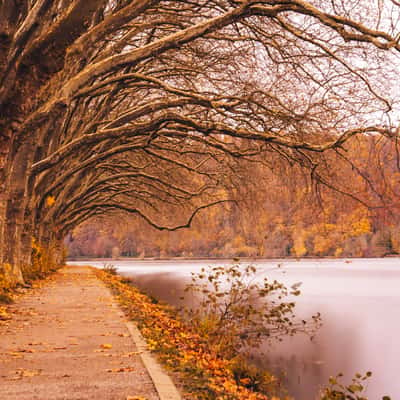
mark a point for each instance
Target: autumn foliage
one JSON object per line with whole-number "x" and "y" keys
{"x": 349, "y": 211}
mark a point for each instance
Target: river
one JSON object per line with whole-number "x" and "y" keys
{"x": 359, "y": 300}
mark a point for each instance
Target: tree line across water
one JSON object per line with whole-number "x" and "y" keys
{"x": 278, "y": 213}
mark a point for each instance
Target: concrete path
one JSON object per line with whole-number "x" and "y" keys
{"x": 67, "y": 340}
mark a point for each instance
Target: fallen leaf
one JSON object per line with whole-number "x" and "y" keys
{"x": 15, "y": 354}
{"x": 29, "y": 373}
{"x": 121, "y": 369}
{"x": 131, "y": 354}
{"x": 25, "y": 351}
{"x": 106, "y": 346}
{"x": 25, "y": 373}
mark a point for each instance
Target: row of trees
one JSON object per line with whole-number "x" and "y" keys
{"x": 147, "y": 106}
{"x": 277, "y": 214}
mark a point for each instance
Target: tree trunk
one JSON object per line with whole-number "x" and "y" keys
{"x": 3, "y": 208}
{"x": 17, "y": 202}
{"x": 26, "y": 240}
{"x": 58, "y": 252}
{"x": 51, "y": 246}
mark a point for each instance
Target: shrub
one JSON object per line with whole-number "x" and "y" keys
{"x": 235, "y": 311}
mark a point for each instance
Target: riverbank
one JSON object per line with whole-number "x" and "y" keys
{"x": 201, "y": 371}
{"x": 357, "y": 302}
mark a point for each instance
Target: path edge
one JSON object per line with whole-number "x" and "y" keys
{"x": 162, "y": 382}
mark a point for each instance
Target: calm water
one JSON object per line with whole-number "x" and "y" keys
{"x": 359, "y": 300}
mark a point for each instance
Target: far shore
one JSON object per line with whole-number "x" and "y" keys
{"x": 289, "y": 258}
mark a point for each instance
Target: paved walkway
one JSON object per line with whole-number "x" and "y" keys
{"x": 67, "y": 340}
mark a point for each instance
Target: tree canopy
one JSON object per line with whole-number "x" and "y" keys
{"x": 148, "y": 106}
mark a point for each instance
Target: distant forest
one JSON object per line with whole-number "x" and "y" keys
{"x": 280, "y": 210}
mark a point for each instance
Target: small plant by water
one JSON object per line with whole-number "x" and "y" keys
{"x": 110, "y": 268}
{"x": 236, "y": 310}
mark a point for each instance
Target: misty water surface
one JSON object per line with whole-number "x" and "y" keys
{"x": 359, "y": 301}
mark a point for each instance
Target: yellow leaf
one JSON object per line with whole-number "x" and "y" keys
{"x": 28, "y": 373}
{"x": 106, "y": 346}
{"x": 50, "y": 200}
{"x": 245, "y": 381}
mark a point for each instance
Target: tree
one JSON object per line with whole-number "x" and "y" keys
{"x": 110, "y": 105}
